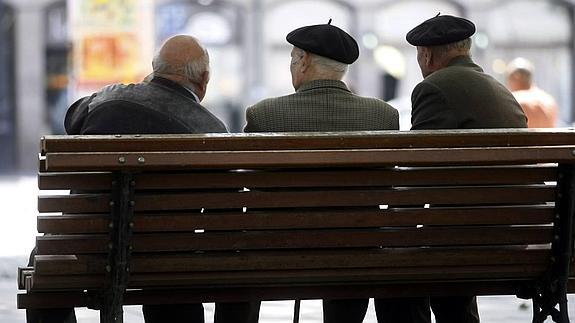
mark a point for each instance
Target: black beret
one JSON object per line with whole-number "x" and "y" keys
{"x": 327, "y": 41}
{"x": 440, "y": 30}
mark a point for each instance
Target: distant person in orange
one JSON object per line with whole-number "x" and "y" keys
{"x": 539, "y": 106}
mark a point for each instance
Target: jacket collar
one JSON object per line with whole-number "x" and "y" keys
{"x": 164, "y": 82}
{"x": 318, "y": 84}
{"x": 464, "y": 61}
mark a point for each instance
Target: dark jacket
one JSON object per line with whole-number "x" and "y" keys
{"x": 462, "y": 96}
{"x": 160, "y": 106}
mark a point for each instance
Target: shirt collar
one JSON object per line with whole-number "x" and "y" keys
{"x": 175, "y": 87}
{"x": 315, "y": 84}
{"x": 192, "y": 92}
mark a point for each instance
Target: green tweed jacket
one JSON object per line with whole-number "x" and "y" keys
{"x": 462, "y": 96}
{"x": 321, "y": 105}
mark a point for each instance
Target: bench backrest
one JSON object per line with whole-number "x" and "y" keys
{"x": 289, "y": 211}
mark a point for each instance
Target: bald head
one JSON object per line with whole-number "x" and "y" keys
{"x": 180, "y": 50}
{"x": 184, "y": 60}
{"x": 519, "y": 74}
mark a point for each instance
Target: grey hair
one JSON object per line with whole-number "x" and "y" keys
{"x": 329, "y": 64}
{"x": 193, "y": 70}
{"x": 325, "y": 66}
{"x": 463, "y": 46}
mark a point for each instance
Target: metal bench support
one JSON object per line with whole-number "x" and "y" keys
{"x": 117, "y": 269}
{"x": 550, "y": 297}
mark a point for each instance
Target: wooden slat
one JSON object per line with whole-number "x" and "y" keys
{"x": 349, "y": 239}
{"x": 62, "y": 244}
{"x": 320, "y": 276}
{"x": 329, "y": 178}
{"x": 308, "y": 158}
{"x": 294, "y": 277}
{"x": 68, "y": 282}
{"x": 394, "y": 290}
{"x": 349, "y": 140}
{"x": 59, "y": 299}
{"x": 334, "y": 291}
{"x": 290, "y": 260}
{"x": 75, "y": 181}
{"x": 23, "y": 272}
{"x": 84, "y": 223}
{"x": 41, "y": 164}
{"x": 93, "y": 203}
{"x": 343, "y": 198}
{"x": 62, "y": 299}
{"x": 302, "y": 239}
{"x": 302, "y": 219}
{"x": 349, "y": 178}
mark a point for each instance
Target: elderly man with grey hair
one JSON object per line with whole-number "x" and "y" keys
{"x": 455, "y": 93}
{"x": 167, "y": 102}
{"x": 322, "y": 102}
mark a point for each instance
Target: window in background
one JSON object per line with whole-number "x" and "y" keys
{"x": 57, "y": 65}
{"x": 7, "y": 101}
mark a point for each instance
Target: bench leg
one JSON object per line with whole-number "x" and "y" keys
{"x": 543, "y": 307}
{"x": 550, "y": 292}
{"x": 118, "y": 259}
{"x": 108, "y": 315}
{"x": 296, "y": 308}
{"x": 563, "y": 311}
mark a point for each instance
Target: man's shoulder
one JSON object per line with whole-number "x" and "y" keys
{"x": 274, "y": 102}
{"x": 118, "y": 88}
{"x": 448, "y": 74}
{"x": 292, "y": 101}
{"x": 144, "y": 108}
{"x": 458, "y": 75}
{"x": 116, "y": 91}
{"x": 372, "y": 102}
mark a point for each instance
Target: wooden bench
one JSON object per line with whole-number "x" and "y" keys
{"x": 232, "y": 217}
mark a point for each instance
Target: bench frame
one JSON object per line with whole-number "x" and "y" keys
{"x": 551, "y": 290}
{"x": 547, "y": 294}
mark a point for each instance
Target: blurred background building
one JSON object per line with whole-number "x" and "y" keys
{"x": 53, "y": 52}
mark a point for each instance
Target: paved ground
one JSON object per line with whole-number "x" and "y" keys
{"x": 18, "y": 229}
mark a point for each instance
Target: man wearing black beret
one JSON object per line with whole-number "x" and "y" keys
{"x": 455, "y": 94}
{"x": 322, "y": 102}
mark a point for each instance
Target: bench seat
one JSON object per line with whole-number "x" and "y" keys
{"x": 146, "y": 219}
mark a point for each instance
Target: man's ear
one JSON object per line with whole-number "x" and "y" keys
{"x": 305, "y": 62}
{"x": 205, "y": 80}
{"x": 428, "y": 56}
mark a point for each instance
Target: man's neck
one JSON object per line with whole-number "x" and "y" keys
{"x": 178, "y": 80}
